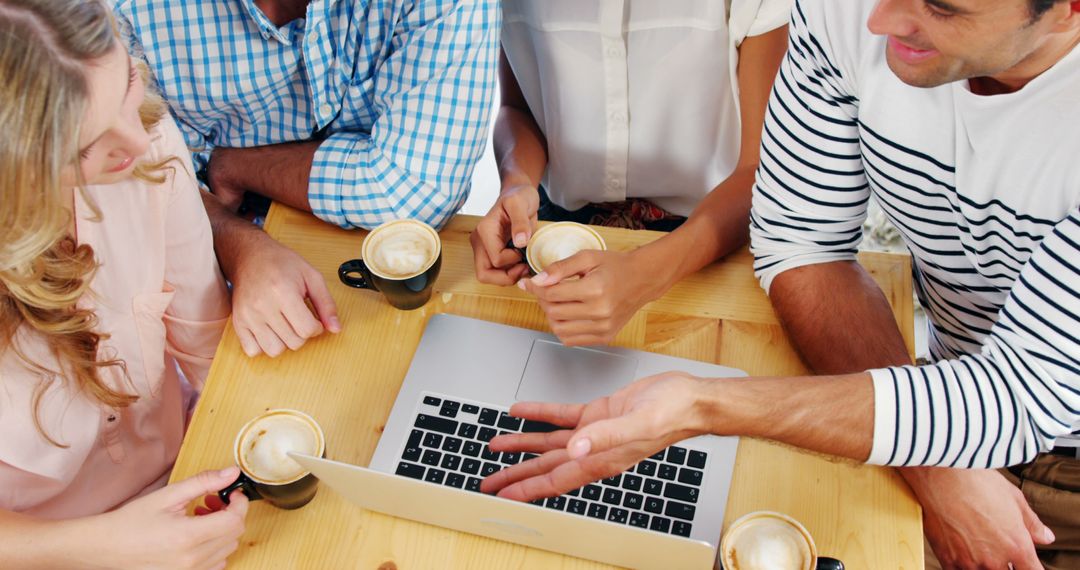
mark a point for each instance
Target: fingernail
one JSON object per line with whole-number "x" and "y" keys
{"x": 1049, "y": 534}
{"x": 540, "y": 278}
{"x": 521, "y": 284}
{"x": 226, "y": 472}
{"x": 521, "y": 240}
{"x": 335, "y": 325}
{"x": 580, "y": 448}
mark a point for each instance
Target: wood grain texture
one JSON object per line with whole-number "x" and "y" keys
{"x": 864, "y": 515}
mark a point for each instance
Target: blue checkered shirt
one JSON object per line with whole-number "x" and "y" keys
{"x": 398, "y": 91}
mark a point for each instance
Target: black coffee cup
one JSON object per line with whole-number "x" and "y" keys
{"x": 406, "y": 286}
{"x": 290, "y": 492}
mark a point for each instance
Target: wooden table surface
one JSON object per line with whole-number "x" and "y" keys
{"x": 866, "y": 516}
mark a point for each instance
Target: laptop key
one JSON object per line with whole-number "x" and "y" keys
{"x": 576, "y": 506}
{"x": 489, "y": 468}
{"x": 597, "y": 511}
{"x": 660, "y": 524}
{"x": 410, "y": 470}
{"x": 511, "y": 457}
{"x": 448, "y": 412}
{"x": 696, "y": 459}
{"x": 456, "y": 480}
{"x": 676, "y": 455}
{"x": 530, "y": 426}
{"x": 486, "y": 434}
{"x": 591, "y": 492}
{"x": 658, "y": 456}
{"x": 432, "y": 440}
{"x": 640, "y": 520}
{"x": 631, "y": 482}
{"x": 538, "y": 502}
{"x": 467, "y": 431}
{"x": 451, "y": 462}
{"x": 633, "y": 501}
{"x": 435, "y": 476}
{"x": 431, "y": 458}
{"x": 488, "y": 417}
{"x": 411, "y": 454}
{"x": 451, "y": 405}
{"x": 470, "y": 466}
{"x": 653, "y": 487}
{"x": 612, "y": 496}
{"x": 415, "y": 437}
{"x": 489, "y": 455}
{"x": 690, "y": 476}
{"x": 435, "y": 423}
{"x": 654, "y": 505}
{"x": 647, "y": 468}
{"x": 472, "y": 449}
{"x": 613, "y": 481}
{"x": 575, "y": 493}
{"x": 473, "y": 484}
{"x": 668, "y": 472}
{"x": 432, "y": 401}
{"x": 681, "y": 528}
{"x": 470, "y": 409}
{"x": 618, "y": 515}
{"x": 508, "y": 422}
{"x": 556, "y": 503}
{"x": 678, "y": 510}
{"x": 451, "y": 444}
{"x": 529, "y": 456}
{"x": 681, "y": 492}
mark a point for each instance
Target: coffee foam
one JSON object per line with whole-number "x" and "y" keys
{"x": 400, "y": 250}
{"x": 767, "y": 543}
{"x": 264, "y": 447}
{"x": 558, "y": 242}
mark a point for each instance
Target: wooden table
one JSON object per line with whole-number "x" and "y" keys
{"x": 864, "y": 515}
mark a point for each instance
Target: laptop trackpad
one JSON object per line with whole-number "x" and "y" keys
{"x": 557, "y": 373}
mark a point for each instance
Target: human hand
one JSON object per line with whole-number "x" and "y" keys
{"x": 976, "y": 518}
{"x": 604, "y": 437}
{"x": 154, "y": 532}
{"x": 220, "y": 180}
{"x": 513, "y": 215}
{"x": 593, "y": 309}
{"x": 270, "y": 285}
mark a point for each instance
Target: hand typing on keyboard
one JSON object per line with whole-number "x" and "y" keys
{"x": 602, "y": 438}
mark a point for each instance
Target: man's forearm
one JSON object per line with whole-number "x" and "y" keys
{"x": 827, "y": 414}
{"x": 280, "y": 172}
{"x": 837, "y": 318}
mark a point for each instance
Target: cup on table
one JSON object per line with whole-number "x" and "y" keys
{"x": 400, "y": 259}
{"x": 558, "y": 241}
{"x": 767, "y": 540}
{"x": 266, "y": 471}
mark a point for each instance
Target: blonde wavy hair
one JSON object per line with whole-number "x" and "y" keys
{"x": 46, "y": 47}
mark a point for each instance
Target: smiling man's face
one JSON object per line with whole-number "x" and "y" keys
{"x": 934, "y": 42}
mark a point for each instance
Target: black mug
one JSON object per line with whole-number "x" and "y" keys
{"x": 291, "y": 493}
{"x": 405, "y": 291}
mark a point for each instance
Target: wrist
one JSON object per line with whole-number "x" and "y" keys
{"x": 653, "y": 264}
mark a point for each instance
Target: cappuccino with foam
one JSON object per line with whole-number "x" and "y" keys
{"x": 767, "y": 541}
{"x": 262, "y": 448}
{"x": 558, "y": 241}
{"x": 401, "y": 249}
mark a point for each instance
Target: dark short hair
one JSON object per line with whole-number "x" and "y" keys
{"x": 1039, "y": 7}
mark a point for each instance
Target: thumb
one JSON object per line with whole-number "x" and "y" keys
{"x": 325, "y": 308}
{"x": 521, "y": 212}
{"x": 607, "y": 434}
{"x": 580, "y": 263}
{"x": 178, "y": 495}
{"x": 1040, "y": 533}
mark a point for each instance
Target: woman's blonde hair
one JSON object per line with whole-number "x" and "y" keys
{"x": 45, "y": 49}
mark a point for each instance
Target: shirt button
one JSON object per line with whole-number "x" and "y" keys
{"x": 314, "y": 35}
{"x": 614, "y": 52}
{"x": 325, "y": 110}
{"x": 618, "y": 117}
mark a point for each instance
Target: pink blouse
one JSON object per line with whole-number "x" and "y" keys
{"x": 160, "y": 297}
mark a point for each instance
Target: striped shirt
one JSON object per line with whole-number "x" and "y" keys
{"x": 399, "y": 92}
{"x": 985, "y": 191}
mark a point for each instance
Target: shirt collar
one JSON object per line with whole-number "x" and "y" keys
{"x": 267, "y": 28}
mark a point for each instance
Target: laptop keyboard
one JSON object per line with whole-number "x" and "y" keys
{"x": 448, "y": 446}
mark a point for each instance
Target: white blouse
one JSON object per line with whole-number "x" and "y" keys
{"x": 637, "y": 98}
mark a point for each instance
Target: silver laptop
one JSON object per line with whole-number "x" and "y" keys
{"x": 665, "y": 512}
